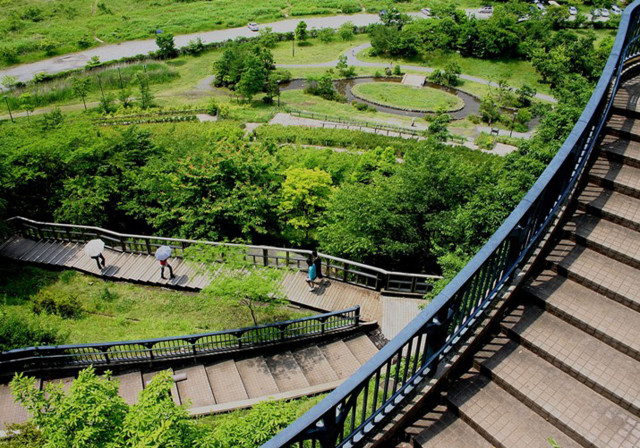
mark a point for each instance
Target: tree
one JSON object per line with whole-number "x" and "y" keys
{"x": 91, "y": 413}
{"x": 489, "y": 110}
{"x": 9, "y": 81}
{"x": 345, "y": 31}
{"x": 267, "y": 37}
{"x": 301, "y": 31}
{"x": 80, "y": 88}
{"x": 27, "y": 103}
{"x": 146, "y": 97}
{"x": 378, "y": 161}
{"x": 524, "y": 95}
{"x": 395, "y": 18}
{"x": 326, "y": 35}
{"x": 253, "y": 78}
{"x": 235, "y": 279}
{"x": 166, "y": 46}
{"x": 305, "y": 194}
{"x": 343, "y": 68}
{"x": 439, "y": 127}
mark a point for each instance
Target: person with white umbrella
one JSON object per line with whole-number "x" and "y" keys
{"x": 162, "y": 254}
{"x": 93, "y": 249}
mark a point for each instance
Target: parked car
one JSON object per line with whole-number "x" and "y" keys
{"x": 616, "y": 10}
{"x": 573, "y": 10}
{"x": 604, "y": 12}
{"x": 486, "y": 10}
{"x": 596, "y": 13}
{"x": 540, "y": 6}
{"x": 253, "y": 26}
{"x": 426, "y": 11}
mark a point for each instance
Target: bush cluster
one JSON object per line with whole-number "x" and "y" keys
{"x": 67, "y": 306}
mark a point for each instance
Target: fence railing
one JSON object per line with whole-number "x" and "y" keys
{"x": 356, "y": 408}
{"x": 356, "y": 124}
{"x": 348, "y": 271}
{"x": 112, "y": 354}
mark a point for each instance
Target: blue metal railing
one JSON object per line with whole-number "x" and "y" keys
{"x": 110, "y": 354}
{"x": 355, "y": 409}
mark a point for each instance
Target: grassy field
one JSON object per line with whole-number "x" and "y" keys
{"x": 123, "y": 311}
{"x": 398, "y": 95}
{"x": 516, "y": 72}
{"x": 316, "y": 51}
{"x": 297, "y": 99}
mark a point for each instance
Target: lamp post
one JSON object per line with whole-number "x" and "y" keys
{"x": 513, "y": 123}
{"x": 6, "y": 100}
{"x": 293, "y": 46}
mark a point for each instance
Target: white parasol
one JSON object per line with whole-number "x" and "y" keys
{"x": 94, "y": 248}
{"x": 163, "y": 252}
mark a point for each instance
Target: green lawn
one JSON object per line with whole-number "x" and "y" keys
{"x": 315, "y": 51}
{"x": 516, "y": 72}
{"x": 398, "y": 95}
{"x": 114, "y": 311}
{"x": 297, "y": 99}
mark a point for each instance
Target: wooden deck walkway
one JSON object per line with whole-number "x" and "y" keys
{"x": 332, "y": 295}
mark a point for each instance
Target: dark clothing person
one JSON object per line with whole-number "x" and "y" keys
{"x": 100, "y": 258}
{"x": 317, "y": 262}
{"x": 163, "y": 264}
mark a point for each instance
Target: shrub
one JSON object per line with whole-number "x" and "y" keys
{"x": 66, "y": 306}
{"x": 485, "y": 141}
{"x": 18, "y": 331}
{"x": 350, "y": 7}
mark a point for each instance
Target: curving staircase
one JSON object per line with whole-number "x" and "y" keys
{"x": 565, "y": 361}
{"x": 227, "y": 384}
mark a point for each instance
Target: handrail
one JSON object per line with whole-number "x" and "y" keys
{"x": 111, "y": 354}
{"x": 367, "y": 124}
{"x": 357, "y": 407}
{"x": 336, "y": 268}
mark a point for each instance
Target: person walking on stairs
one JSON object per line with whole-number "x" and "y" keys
{"x": 93, "y": 249}
{"x": 317, "y": 262}
{"x": 311, "y": 278}
{"x": 162, "y": 255}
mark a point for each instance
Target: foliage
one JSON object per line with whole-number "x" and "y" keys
{"x": 378, "y": 161}
{"x": 344, "y": 69}
{"x": 301, "y": 31}
{"x": 322, "y": 86}
{"x": 236, "y": 280}
{"x": 326, "y": 35}
{"x": 305, "y": 194}
{"x": 449, "y": 77}
{"x": 439, "y": 127}
{"x": 401, "y": 96}
{"x": 345, "y": 31}
{"x": 90, "y": 414}
{"x": 64, "y": 306}
{"x": 146, "y": 97}
{"x": 219, "y": 189}
{"x": 19, "y": 330}
{"x": 265, "y": 420}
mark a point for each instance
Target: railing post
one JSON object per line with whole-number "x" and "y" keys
{"x": 123, "y": 244}
{"x": 380, "y": 281}
{"x": 265, "y": 257}
{"x": 357, "y": 317}
{"x": 148, "y": 244}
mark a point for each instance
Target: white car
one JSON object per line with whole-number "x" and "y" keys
{"x": 253, "y": 26}
{"x": 426, "y": 11}
{"x": 486, "y": 10}
{"x": 616, "y": 10}
{"x": 540, "y": 6}
{"x": 596, "y": 13}
{"x": 573, "y": 10}
{"x": 604, "y": 12}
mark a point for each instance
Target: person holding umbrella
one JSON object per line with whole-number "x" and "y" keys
{"x": 162, "y": 254}
{"x": 94, "y": 249}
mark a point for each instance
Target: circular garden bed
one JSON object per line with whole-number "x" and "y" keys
{"x": 418, "y": 99}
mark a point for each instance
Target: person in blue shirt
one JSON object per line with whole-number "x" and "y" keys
{"x": 312, "y": 274}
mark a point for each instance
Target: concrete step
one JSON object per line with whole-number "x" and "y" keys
{"x": 225, "y": 382}
{"x": 626, "y": 102}
{"x": 598, "y": 272}
{"x": 610, "y": 239}
{"x": 616, "y": 207}
{"x": 10, "y": 410}
{"x": 571, "y": 406}
{"x": 195, "y": 389}
{"x": 440, "y": 428}
{"x": 589, "y": 360}
{"x": 130, "y": 386}
{"x": 340, "y": 358}
{"x": 256, "y": 377}
{"x": 362, "y": 348}
{"x": 286, "y": 372}
{"x": 593, "y": 313}
{"x": 621, "y": 150}
{"x": 616, "y": 176}
{"x": 624, "y": 126}
{"x": 315, "y": 366}
{"x": 499, "y": 417}
{"x": 147, "y": 377}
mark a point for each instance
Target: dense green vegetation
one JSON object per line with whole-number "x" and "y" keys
{"x": 91, "y": 414}
{"x": 405, "y": 97}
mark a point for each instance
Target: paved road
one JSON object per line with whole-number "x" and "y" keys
{"x": 110, "y": 52}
